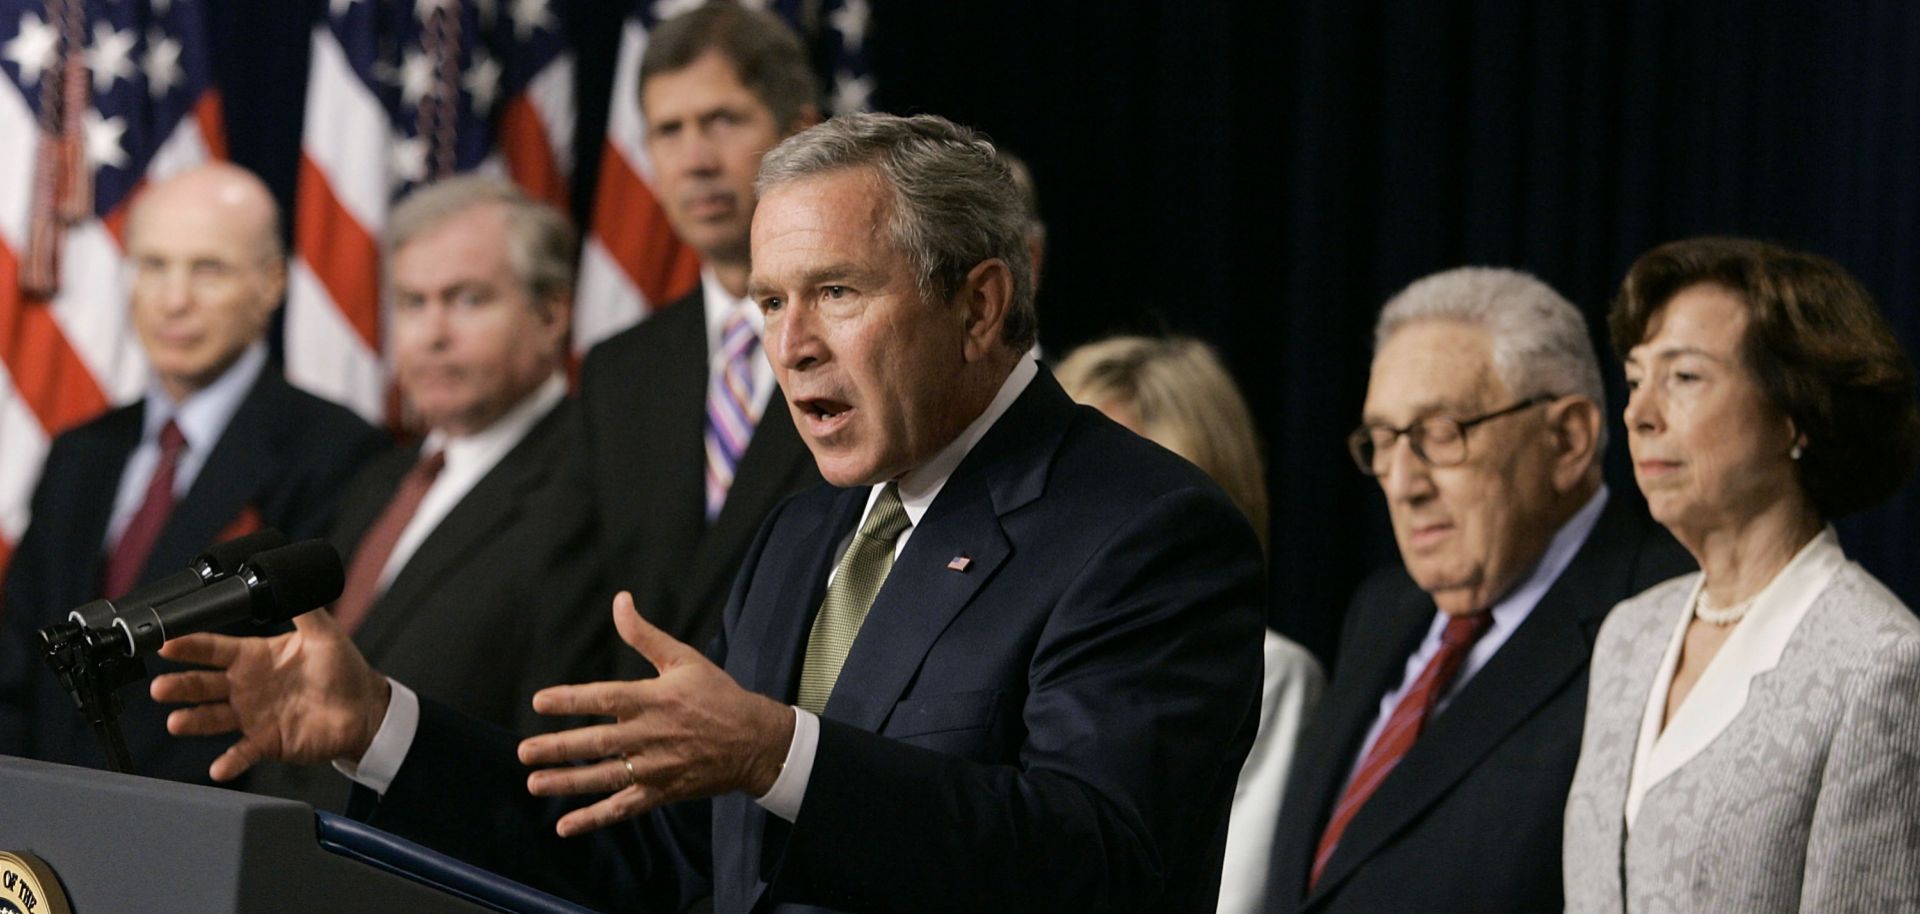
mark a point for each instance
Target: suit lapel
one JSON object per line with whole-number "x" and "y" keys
{"x": 1344, "y": 719}
{"x": 775, "y": 457}
{"x": 922, "y": 594}
{"x": 780, "y": 636}
{"x": 245, "y": 460}
{"x": 95, "y": 502}
{"x": 491, "y": 505}
{"x": 1548, "y": 649}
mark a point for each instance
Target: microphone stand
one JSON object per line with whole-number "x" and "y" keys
{"x": 92, "y": 669}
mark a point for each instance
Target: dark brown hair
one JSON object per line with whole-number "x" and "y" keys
{"x": 766, "y": 55}
{"x": 1820, "y": 350}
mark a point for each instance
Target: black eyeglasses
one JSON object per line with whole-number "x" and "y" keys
{"x": 1439, "y": 441}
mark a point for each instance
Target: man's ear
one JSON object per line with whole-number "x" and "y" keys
{"x": 1575, "y": 422}
{"x": 985, "y": 297}
{"x": 555, "y": 311}
{"x": 807, "y": 116}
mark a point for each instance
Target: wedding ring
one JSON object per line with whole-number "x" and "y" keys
{"x": 632, "y": 778}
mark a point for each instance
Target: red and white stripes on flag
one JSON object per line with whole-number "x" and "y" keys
{"x": 631, "y": 262}
{"x": 98, "y": 96}
{"x": 399, "y": 94}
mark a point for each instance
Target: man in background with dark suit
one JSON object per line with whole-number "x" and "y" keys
{"x": 219, "y": 446}
{"x": 1011, "y": 665}
{"x": 1434, "y": 774}
{"x": 466, "y": 577}
{"x": 679, "y": 451}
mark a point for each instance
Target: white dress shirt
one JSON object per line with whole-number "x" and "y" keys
{"x": 202, "y": 419}
{"x": 1508, "y": 613}
{"x": 918, "y": 488}
{"x": 469, "y": 459}
{"x": 1754, "y": 647}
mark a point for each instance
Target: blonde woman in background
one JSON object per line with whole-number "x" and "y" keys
{"x": 1175, "y": 393}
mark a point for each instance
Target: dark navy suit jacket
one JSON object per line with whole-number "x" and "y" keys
{"x": 1054, "y": 724}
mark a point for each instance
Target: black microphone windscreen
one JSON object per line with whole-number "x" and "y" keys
{"x": 225, "y": 558}
{"x": 306, "y": 575}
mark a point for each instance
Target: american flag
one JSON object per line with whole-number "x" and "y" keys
{"x": 400, "y": 93}
{"x": 631, "y": 262}
{"x": 99, "y": 95}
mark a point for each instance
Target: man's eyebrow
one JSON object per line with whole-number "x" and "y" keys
{"x": 1425, "y": 409}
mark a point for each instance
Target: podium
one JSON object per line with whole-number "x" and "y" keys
{"x": 124, "y": 843}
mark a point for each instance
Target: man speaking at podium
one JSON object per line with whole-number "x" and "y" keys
{"x": 1011, "y": 665}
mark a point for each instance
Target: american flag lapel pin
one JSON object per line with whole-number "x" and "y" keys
{"x": 959, "y": 562}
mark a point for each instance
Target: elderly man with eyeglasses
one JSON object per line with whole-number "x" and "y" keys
{"x": 1434, "y": 776}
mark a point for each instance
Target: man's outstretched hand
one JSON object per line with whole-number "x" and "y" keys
{"x": 688, "y": 733}
{"x": 306, "y": 696}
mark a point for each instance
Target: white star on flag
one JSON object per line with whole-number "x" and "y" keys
{"x": 338, "y": 8}
{"x": 416, "y": 77}
{"x": 851, "y": 22}
{"x": 528, "y": 16}
{"x": 424, "y": 8}
{"x": 851, "y": 93}
{"x": 111, "y": 56}
{"x": 482, "y": 80}
{"x": 667, "y": 9}
{"x": 408, "y": 160}
{"x": 162, "y": 64}
{"x": 34, "y": 49}
{"x": 103, "y": 139}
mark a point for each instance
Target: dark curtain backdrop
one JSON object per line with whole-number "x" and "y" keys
{"x": 1264, "y": 175}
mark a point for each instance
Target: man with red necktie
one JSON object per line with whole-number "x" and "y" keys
{"x": 1433, "y": 775}
{"x": 465, "y": 569}
{"x": 219, "y": 446}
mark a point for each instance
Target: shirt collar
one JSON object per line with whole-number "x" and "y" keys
{"x": 920, "y": 485}
{"x": 204, "y": 414}
{"x": 505, "y": 431}
{"x": 720, "y": 305}
{"x": 1509, "y": 610}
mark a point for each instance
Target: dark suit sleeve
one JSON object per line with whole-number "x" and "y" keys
{"x": 463, "y": 791}
{"x": 1140, "y": 712}
{"x": 469, "y": 799}
{"x": 22, "y": 601}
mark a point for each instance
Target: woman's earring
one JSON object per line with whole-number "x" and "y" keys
{"x": 1797, "y": 451}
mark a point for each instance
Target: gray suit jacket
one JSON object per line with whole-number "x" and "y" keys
{"x": 1809, "y": 800}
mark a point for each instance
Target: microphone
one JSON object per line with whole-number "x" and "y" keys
{"x": 269, "y": 587}
{"x": 219, "y": 561}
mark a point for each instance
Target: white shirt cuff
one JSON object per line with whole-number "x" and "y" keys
{"x": 377, "y": 769}
{"x": 783, "y": 798}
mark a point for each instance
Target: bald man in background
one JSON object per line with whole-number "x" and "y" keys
{"x": 220, "y": 445}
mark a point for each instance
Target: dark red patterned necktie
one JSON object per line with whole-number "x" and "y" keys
{"x": 136, "y": 542}
{"x": 376, "y": 547}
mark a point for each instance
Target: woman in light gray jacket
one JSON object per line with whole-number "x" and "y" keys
{"x": 1753, "y": 731}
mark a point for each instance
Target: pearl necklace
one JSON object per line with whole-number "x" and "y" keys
{"x": 1713, "y": 615}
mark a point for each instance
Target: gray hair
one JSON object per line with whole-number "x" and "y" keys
{"x": 1540, "y": 341}
{"x": 955, "y": 204}
{"x": 540, "y": 241}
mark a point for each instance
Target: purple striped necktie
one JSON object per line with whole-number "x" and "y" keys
{"x": 732, "y": 407}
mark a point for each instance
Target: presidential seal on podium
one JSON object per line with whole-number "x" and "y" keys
{"x": 28, "y": 886}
